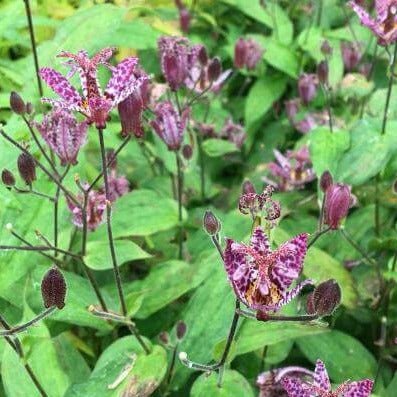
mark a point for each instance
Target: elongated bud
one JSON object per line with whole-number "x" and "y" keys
{"x": 325, "y": 298}
{"x": 17, "y": 104}
{"x": 7, "y": 178}
{"x": 326, "y": 181}
{"x": 211, "y": 223}
{"x": 203, "y": 56}
{"x": 307, "y": 87}
{"x": 322, "y": 72}
{"x": 214, "y": 69}
{"x": 248, "y": 187}
{"x": 187, "y": 152}
{"x": 240, "y": 53}
{"x": 184, "y": 19}
{"x": 337, "y": 203}
{"x": 53, "y": 288}
{"x": 27, "y": 168}
{"x": 326, "y": 48}
{"x": 181, "y": 329}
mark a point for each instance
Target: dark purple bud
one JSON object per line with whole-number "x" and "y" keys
{"x": 326, "y": 297}
{"x": 164, "y": 338}
{"x": 351, "y": 54}
{"x": 7, "y": 178}
{"x": 307, "y": 87}
{"x": 292, "y": 108}
{"x": 211, "y": 223}
{"x": 27, "y": 168}
{"x": 203, "y": 56}
{"x": 326, "y": 181}
{"x": 273, "y": 210}
{"x": 253, "y": 55}
{"x": 130, "y": 113}
{"x": 187, "y": 152}
{"x": 248, "y": 187}
{"x": 184, "y": 19}
{"x": 322, "y": 72}
{"x": 181, "y": 329}
{"x": 240, "y": 52}
{"x": 337, "y": 204}
{"x": 326, "y": 48}
{"x": 214, "y": 69}
{"x": 53, "y": 288}
{"x": 17, "y": 104}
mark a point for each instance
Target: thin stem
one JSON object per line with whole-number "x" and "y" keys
{"x": 172, "y": 365}
{"x": 179, "y": 189}
{"x": 265, "y": 317}
{"x": 56, "y": 210}
{"x": 34, "y": 192}
{"x": 202, "y": 169}
{"x": 23, "y": 327}
{"x": 215, "y": 240}
{"x": 350, "y": 240}
{"x": 317, "y": 235}
{"x": 108, "y": 315}
{"x": 91, "y": 278}
{"x": 36, "y": 248}
{"x": 319, "y": 12}
{"x": 33, "y": 42}
{"x": 327, "y": 96}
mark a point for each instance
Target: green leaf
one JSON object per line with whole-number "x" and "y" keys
{"x": 218, "y": 147}
{"x": 344, "y": 356}
{"x": 233, "y": 385}
{"x": 124, "y": 368}
{"x": 392, "y": 387}
{"x": 326, "y": 149}
{"x": 355, "y": 85}
{"x": 98, "y": 254}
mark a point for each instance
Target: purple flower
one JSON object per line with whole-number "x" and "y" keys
{"x": 292, "y": 171}
{"x": 292, "y": 108}
{"x": 247, "y": 53}
{"x": 94, "y": 104}
{"x": 307, "y": 87}
{"x": 118, "y": 186}
{"x": 261, "y": 277}
{"x": 384, "y": 26}
{"x": 351, "y": 55}
{"x": 169, "y": 126}
{"x": 233, "y": 132}
{"x": 321, "y": 386}
{"x": 338, "y": 200}
{"x": 63, "y": 134}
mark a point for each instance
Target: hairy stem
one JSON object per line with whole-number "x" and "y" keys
{"x": 179, "y": 189}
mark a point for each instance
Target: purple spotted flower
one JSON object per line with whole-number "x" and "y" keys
{"x": 384, "y": 26}
{"x": 291, "y": 171}
{"x": 94, "y": 104}
{"x": 321, "y": 386}
{"x": 118, "y": 186}
{"x": 261, "y": 278}
{"x": 169, "y": 126}
{"x": 247, "y": 53}
{"x": 63, "y": 134}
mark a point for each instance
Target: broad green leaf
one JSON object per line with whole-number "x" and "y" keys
{"x": 392, "y": 387}
{"x": 124, "y": 368}
{"x": 98, "y": 254}
{"x": 233, "y": 385}
{"x": 344, "y": 356}
{"x": 218, "y": 147}
{"x": 327, "y": 148}
{"x": 376, "y": 105}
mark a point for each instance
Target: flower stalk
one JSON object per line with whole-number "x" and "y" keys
{"x": 179, "y": 194}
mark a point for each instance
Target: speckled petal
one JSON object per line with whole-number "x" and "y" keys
{"x": 259, "y": 242}
{"x": 359, "y": 389}
{"x": 295, "y": 387}
{"x": 321, "y": 378}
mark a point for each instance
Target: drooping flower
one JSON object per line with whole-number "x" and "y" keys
{"x": 338, "y": 200}
{"x": 384, "y": 26}
{"x": 96, "y": 206}
{"x": 291, "y": 171}
{"x": 169, "y": 126}
{"x": 233, "y": 132}
{"x": 247, "y": 53}
{"x": 307, "y": 87}
{"x": 292, "y": 108}
{"x": 351, "y": 55}
{"x": 118, "y": 186}
{"x": 63, "y": 134}
{"x": 261, "y": 278}
{"x": 321, "y": 386}
{"x": 94, "y": 104}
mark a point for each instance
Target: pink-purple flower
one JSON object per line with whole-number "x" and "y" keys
{"x": 63, "y": 134}
{"x": 233, "y": 132}
{"x": 384, "y": 26}
{"x": 247, "y": 53}
{"x": 261, "y": 278}
{"x": 351, "y": 55}
{"x": 94, "y": 104}
{"x": 307, "y": 87}
{"x": 321, "y": 386}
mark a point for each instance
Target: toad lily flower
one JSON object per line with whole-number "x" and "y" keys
{"x": 93, "y": 104}
{"x": 384, "y": 26}
{"x": 260, "y": 277}
{"x": 321, "y": 387}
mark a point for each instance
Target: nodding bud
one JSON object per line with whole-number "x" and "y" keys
{"x": 164, "y": 338}
{"x": 17, "y": 104}
{"x": 337, "y": 203}
{"x": 325, "y": 298}
{"x": 214, "y": 69}
{"x": 187, "y": 152}
{"x": 240, "y": 52}
{"x": 53, "y": 288}
{"x": 203, "y": 56}
{"x": 326, "y": 181}
{"x": 184, "y": 19}
{"x": 7, "y": 178}
{"x": 307, "y": 87}
{"x": 322, "y": 72}
{"x": 27, "y": 168}
{"x": 326, "y": 48}
{"x": 248, "y": 187}
{"x": 211, "y": 223}
{"x": 181, "y": 329}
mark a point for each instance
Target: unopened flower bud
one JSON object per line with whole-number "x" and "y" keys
{"x": 248, "y": 187}
{"x": 240, "y": 52}
{"x": 17, "y": 104}
{"x": 203, "y": 56}
{"x": 326, "y": 181}
{"x": 211, "y": 223}
{"x": 322, "y": 72}
{"x": 326, "y": 48}
{"x": 325, "y": 298}
{"x": 27, "y": 168}
{"x": 351, "y": 55}
{"x": 164, "y": 338}
{"x": 184, "y": 19}
{"x": 181, "y": 329}
{"x": 292, "y": 108}
{"x": 337, "y": 204}
{"x": 187, "y": 152}
{"x": 7, "y": 178}
{"x": 214, "y": 69}
{"x": 53, "y": 288}
{"x": 307, "y": 87}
